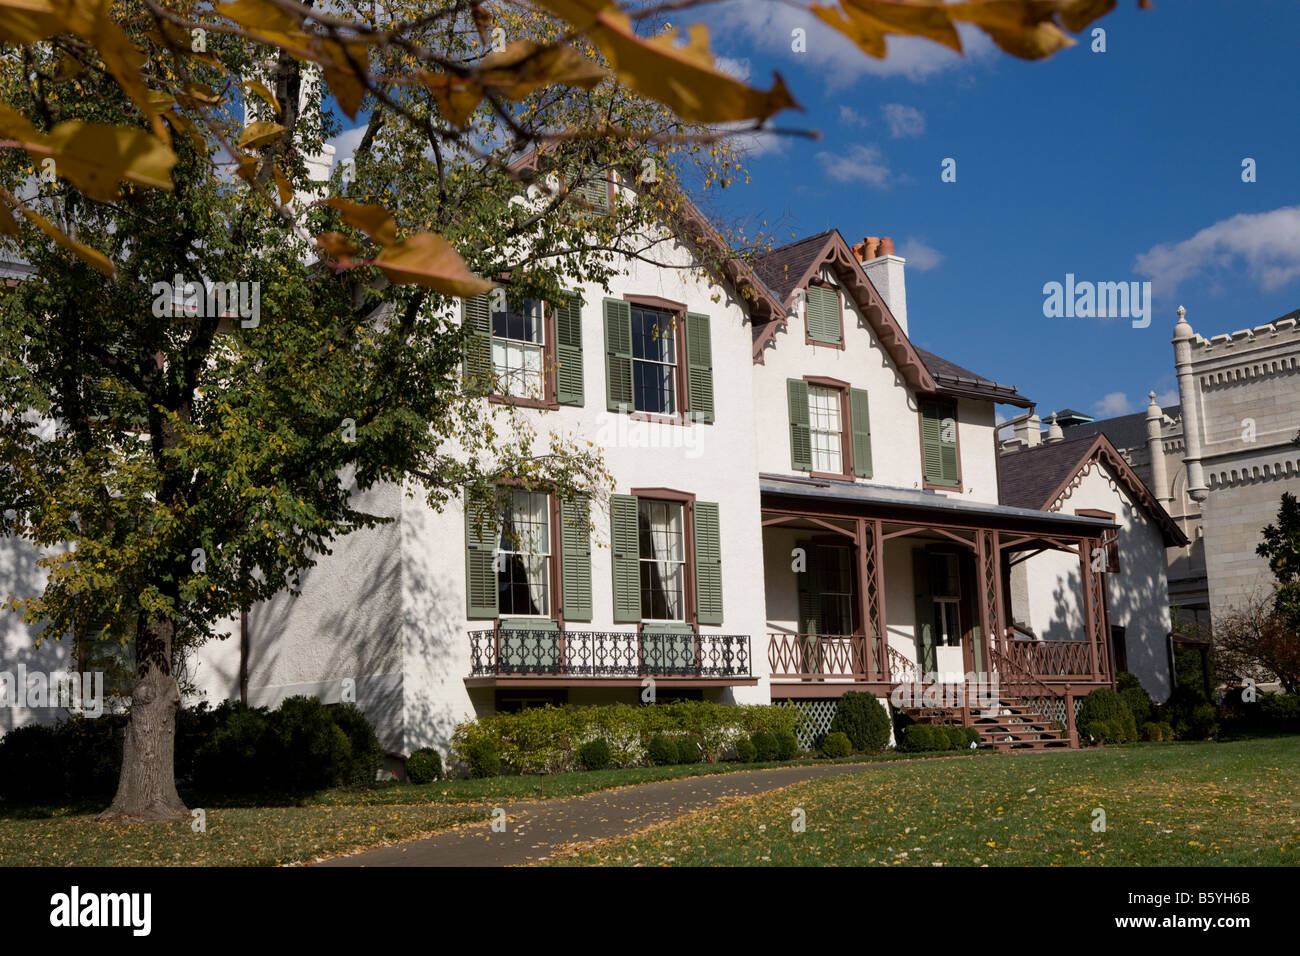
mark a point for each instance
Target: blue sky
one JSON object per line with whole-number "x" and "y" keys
{"x": 1115, "y": 166}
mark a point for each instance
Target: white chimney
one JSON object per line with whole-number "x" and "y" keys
{"x": 1029, "y": 431}
{"x": 885, "y": 270}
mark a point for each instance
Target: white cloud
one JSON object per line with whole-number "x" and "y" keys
{"x": 1115, "y": 403}
{"x": 903, "y": 121}
{"x": 1165, "y": 399}
{"x": 768, "y": 25}
{"x": 851, "y": 117}
{"x": 738, "y": 68}
{"x": 345, "y": 143}
{"x": 1267, "y": 243}
{"x": 920, "y": 256}
{"x": 858, "y": 164}
{"x": 761, "y": 143}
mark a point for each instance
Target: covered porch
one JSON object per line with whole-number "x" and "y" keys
{"x": 869, "y": 588}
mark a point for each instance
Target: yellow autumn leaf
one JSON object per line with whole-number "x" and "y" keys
{"x": 870, "y": 21}
{"x": 259, "y": 134}
{"x": 680, "y": 75}
{"x": 282, "y": 185}
{"x": 270, "y": 24}
{"x": 428, "y": 260}
{"x": 375, "y": 221}
{"x": 95, "y": 157}
{"x": 96, "y": 259}
{"x": 338, "y": 247}
{"x": 27, "y": 21}
{"x": 8, "y": 224}
{"x": 456, "y": 97}
{"x": 1023, "y": 28}
{"x": 526, "y": 65}
{"x": 259, "y": 88}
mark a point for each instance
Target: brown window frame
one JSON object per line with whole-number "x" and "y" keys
{"x": 960, "y": 487}
{"x": 550, "y": 399}
{"x": 687, "y": 500}
{"x": 555, "y": 579}
{"x": 846, "y": 427}
{"x": 839, "y": 300}
{"x": 678, "y": 310}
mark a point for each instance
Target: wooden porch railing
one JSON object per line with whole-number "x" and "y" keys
{"x": 817, "y": 656}
{"x": 1046, "y": 659}
{"x": 1016, "y": 680}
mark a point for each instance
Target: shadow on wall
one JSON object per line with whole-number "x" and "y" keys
{"x": 21, "y": 578}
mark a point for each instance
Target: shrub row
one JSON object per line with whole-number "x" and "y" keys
{"x": 551, "y": 739}
{"x": 920, "y": 737}
{"x": 300, "y": 747}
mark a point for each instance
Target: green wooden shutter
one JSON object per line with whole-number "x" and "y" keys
{"x": 575, "y": 558}
{"x": 939, "y": 456}
{"x": 800, "y": 434}
{"x": 480, "y": 561}
{"x": 708, "y": 564}
{"x": 568, "y": 350}
{"x": 926, "y": 655}
{"x": 618, "y": 355}
{"x": 823, "y": 315}
{"x": 625, "y": 548}
{"x": 476, "y": 314}
{"x": 860, "y": 420}
{"x": 596, "y": 191}
{"x": 699, "y": 367}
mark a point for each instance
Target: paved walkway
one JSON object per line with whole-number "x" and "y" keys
{"x": 536, "y": 828}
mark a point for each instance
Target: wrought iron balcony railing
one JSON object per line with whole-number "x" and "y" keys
{"x": 607, "y": 654}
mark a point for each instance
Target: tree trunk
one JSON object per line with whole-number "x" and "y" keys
{"x": 146, "y": 790}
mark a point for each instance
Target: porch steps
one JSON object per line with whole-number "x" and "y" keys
{"x": 1012, "y": 727}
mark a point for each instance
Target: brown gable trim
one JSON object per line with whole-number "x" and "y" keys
{"x": 1103, "y": 452}
{"x": 848, "y": 272}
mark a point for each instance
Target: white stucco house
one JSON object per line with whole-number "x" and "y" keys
{"x": 804, "y": 503}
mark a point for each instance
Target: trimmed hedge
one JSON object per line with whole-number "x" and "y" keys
{"x": 424, "y": 765}
{"x": 549, "y": 739}
{"x": 688, "y": 751}
{"x": 482, "y": 759}
{"x": 861, "y": 718}
{"x": 787, "y": 746}
{"x": 302, "y": 747}
{"x": 923, "y": 737}
{"x": 764, "y": 746}
{"x": 746, "y": 752}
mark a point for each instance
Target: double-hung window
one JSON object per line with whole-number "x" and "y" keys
{"x": 826, "y": 425}
{"x": 518, "y": 350}
{"x": 830, "y": 428}
{"x": 654, "y": 361}
{"x": 945, "y": 592}
{"x": 662, "y": 538}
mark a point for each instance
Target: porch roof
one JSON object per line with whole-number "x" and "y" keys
{"x": 909, "y": 504}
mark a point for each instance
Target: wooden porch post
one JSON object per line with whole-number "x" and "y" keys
{"x": 882, "y": 631}
{"x": 1089, "y": 607}
{"x": 868, "y": 565}
{"x": 1072, "y": 730}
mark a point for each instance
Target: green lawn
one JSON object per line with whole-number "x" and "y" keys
{"x": 262, "y": 832}
{"x": 1188, "y": 804}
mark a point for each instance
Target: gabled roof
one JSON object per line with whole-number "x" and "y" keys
{"x": 1124, "y": 431}
{"x": 954, "y": 379}
{"x": 1044, "y": 476}
{"x": 787, "y": 270}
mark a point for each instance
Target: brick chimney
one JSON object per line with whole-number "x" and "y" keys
{"x": 885, "y": 270}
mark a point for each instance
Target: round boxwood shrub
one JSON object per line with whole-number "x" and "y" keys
{"x": 663, "y": 751}
{"x": 837, "y": 744}
{"x": 482, "y": 758}
{"x": 1102, "y": 704}
{"x": 764, "y": 746}
{"x": 861, "y": 718}
{"x": 973, "y": 738}
{"x": 1126, "y": 728}
{"x": 1099, "y": 731}
{"x": 424, "y": 765}
{"x": 688, "y": 751}
{"x": 918, "y": 737}
{"x": 956, "y": 738}
{"x": 367, "y": 756}
{"x": 746, "y": 752}
{"x": 787, "y": 746}
{"x": 595, "y": 754}
{"x": 1201, "y": 724}
{"x": 1152, "y": 731}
